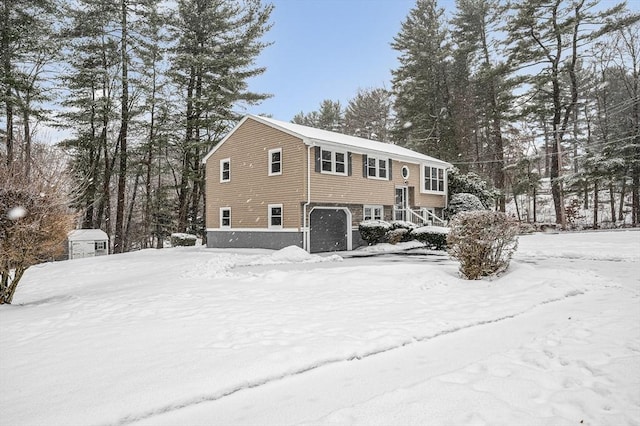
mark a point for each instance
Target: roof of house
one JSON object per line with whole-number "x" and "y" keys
{"x": 87, "y": 235}
{"x": 313, "y": 137}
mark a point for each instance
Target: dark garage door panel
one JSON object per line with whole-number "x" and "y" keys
{"x": 328, "y": 230}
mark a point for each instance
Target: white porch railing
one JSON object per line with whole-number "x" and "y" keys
{"x": 426, "y": 218}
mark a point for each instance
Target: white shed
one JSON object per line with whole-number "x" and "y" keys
{"x": 87, "y": 243}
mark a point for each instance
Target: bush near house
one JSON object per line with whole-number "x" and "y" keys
{"x": 374, "y": 231}
{"x": 463, "y": 202}
{"x": 434, "y": 237}
{"x": 483, "y": 242}
{"x": 400, "y": 232}
{"x": 181, "y": 239}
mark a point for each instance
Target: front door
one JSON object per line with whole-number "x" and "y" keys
{"x": 402, "y": 203}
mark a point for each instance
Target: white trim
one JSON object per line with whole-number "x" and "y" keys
{"x": 227, "y": 136}
{"x": 405, "y": 205}
{"x": 225, "y": 160}
{"x": 271, "y": 172}
{"x": 254, "y": 230}
{"x": 221, "y": 210}
{"x": 334, "y": 162}
{"x": 372, "y": 207}
{"x": 270, "y": 213}
{"x": 405, "y": 167}
{"x": 377, "y": 167}
{"x": 349, "y": 224}
{"x": 313, "y": 136}
{"x": 423, "y": 189}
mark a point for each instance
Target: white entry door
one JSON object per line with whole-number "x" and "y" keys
{"x": 402, "y": 203}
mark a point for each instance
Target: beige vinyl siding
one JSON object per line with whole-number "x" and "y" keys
{"x": 251, "y": 189}
{"x": 357, "y": 189}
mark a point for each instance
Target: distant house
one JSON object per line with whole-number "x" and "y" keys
{"x": 87, "y": 243}
{"x": 271, "y": 184}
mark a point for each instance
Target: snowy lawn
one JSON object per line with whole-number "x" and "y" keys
{"x": 171, "y": 336}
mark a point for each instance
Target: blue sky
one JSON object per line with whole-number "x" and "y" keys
{"x": 326, "y": 49}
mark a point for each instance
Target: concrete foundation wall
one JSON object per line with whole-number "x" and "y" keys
{"x": 253, "y": 239}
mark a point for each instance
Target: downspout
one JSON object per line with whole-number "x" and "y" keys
{"x": 305, "y": 230}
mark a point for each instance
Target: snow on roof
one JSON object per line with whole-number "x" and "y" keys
{"x": 87, "y": 235}
{"x": 313, "y": 136}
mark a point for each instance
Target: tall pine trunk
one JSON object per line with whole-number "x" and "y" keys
{"x": 8, "y": 99}
{"x": 118, "y": 246}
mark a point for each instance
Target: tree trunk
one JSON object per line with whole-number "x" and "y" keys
{"x": 623, "y": 191}
{"x": 27, "y": 140}
{"x": 9, "y": 285}
{"x": 612, "y": 203}
{"x": 118, "y": 246}
{"x": 595, "y": 204}
{"x": 8, "y": 99}
{"x": 535, "y": 205}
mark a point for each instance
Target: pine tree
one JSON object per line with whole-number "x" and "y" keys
{"x": 218, "y": 42}
{"x": 368, "y": 114}
{"x": 91, "y": 111}
{"x": 477, "y": 25}
{"x": 329, "y": 116}
{"x": 420, "y": 84}
{"x": 152, "y": 83}
{"x": 550, "y": 35}
{"x": 28, "y": 44}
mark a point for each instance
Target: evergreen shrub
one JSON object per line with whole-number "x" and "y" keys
{"x": 483, "y": 241}
{"x": 400, "y": 231}
{"x": 180, "y": 239}
{"x": 374, "y": 231}
{"x": 434, "y": 237}
{"x": 464, "y": 202}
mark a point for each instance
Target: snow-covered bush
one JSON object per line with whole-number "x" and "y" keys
{"x": 400, "y": 231}
{"x": 397, "y": 235}
{"x": 180, "y": 239}
{"x": 434, "y": 237}
{"x": 483, "y": 241}
{"x": 470, "y": 183}
{"x": 463, "y": 202}
{"x": 374, "y": 231}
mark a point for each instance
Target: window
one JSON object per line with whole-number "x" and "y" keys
{"x": 275, "y": 215}
{"x": 333, "y": 162}
{"x": 373, "y": 213}
{"x": 225, "y": 217}
{"x": 225, "y": 170}
{"x": 433, "y": 179}
{"x": 100, "y": 245}
{"x": 405, "y": 172}
{"x": 376, "y": 167}
{"x": 275, "y": 161}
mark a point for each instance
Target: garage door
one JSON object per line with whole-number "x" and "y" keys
{"x": 328, "y": 231}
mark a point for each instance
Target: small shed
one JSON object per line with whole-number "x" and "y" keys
{"x": 87, "y": 243}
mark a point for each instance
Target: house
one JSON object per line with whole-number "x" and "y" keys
{"x": 87, "y": 243}
{"x": 271, "y": 184}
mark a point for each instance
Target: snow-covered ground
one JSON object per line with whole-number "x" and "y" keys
{"x": 201, "y": 336}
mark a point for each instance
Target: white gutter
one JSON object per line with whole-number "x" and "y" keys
{"x": 305, "y": 230}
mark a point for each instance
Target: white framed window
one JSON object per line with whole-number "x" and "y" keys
{"x": 275, "y": 162}
{"x": 275, "y": 216}
{"x": 433, "y": 179}
{"x": 225, "y": 217}
{"x": 405, "y": 172}
{"x": 225, "y": 170}
{"x": 373, "y": 212}
{"x": 100, "y": 245}
{"x": 377, "y": 167}
{"x": 334, "y": 162}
